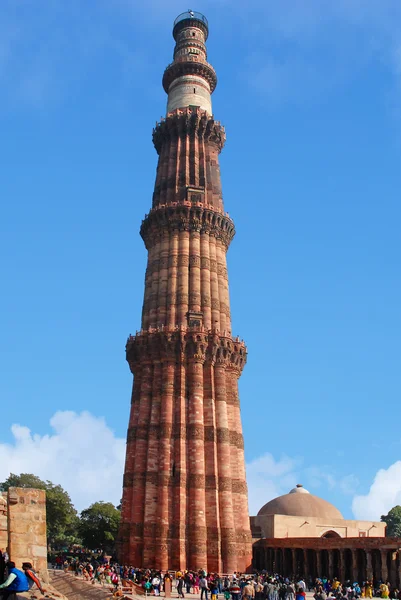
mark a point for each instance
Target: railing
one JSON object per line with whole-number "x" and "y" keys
{"x": 191, "y": 14}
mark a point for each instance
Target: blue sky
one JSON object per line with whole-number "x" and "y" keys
{"x": 310, "y": 95}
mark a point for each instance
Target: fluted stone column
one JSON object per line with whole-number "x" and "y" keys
{"x": 165, "y": 471}
{"x": 196, "y": 464}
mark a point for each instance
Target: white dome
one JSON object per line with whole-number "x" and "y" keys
{"x": 299, "y": 489}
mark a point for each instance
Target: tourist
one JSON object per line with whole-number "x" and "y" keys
{"x": 203, "y": 586}
{"x": 188, "y": 581}
{"x": 290, "y": 592}
{"x": 320, "y": 593}
{"x": 167, "y": 585}
{"x": 156, "y": 584}
{"x": 31, "y": 576}
{"x": 114, "y": 580}
{"x": 368, "y": 589}
{"x": 301, "y": 594}
{"x": 248, "y": 591}
{"x": 180, "y": 585}
{"x": 16, "y": 581}
{"x": 258, "y": 590}
{"x": 235, "y": 590}
{"x": 147, "y": 586}
{"x": 214, "y": 590}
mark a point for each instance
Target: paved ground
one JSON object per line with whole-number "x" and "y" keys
{"x": 76, "y": 588}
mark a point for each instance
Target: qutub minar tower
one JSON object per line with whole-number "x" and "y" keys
{"x": 185, "y": 502}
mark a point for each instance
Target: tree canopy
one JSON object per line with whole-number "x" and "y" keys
{"x": 393, "y": 522}
{"x": 61, "y": 516}
{"x": 99, "y": 525}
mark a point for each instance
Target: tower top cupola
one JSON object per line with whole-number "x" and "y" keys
{"x": 190, "y": 80}
{"x": 190, "y": 18}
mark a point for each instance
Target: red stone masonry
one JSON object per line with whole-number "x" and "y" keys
{"x": 185, "y": 502}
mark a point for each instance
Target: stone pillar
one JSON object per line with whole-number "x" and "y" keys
{"x": 331, "y": 564}
{"x": 341, "y": 555}
{"x": 306, "y": 563}
{"x": 354, "y": 569}
{"x": 294, "y": 562}
{"x": 369, "y": 570}
{"x": 284, "y": 562}
{"x": 26, "y": 518}
{"x": 319, "y": 564}
{"x": 392, "y": 576}
{"x": 384, "y": 571}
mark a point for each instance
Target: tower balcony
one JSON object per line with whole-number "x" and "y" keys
{"x": 189, "y": 65}
{"x": 190, "y": 18}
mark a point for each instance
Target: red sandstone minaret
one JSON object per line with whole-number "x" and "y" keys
{"x": 185, "y": 502}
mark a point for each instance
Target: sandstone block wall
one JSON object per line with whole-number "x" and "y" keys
{"x": 23, "y": 527}
{"x": 285, "y": 526}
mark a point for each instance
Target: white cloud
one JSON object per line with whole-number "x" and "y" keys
{"x": 384, "y": 493}
{"x": 268, "y": 478}
{"x": 82, "y": 455}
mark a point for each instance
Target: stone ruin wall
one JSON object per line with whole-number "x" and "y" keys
{"x": 23, "y": 527}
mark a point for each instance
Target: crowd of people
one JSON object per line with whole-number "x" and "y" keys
{"x": 212, "y": 586}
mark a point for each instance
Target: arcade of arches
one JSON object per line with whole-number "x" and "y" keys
{"x": 355, "y": 559}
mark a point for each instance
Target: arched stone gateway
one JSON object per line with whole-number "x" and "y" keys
{"x": 330, "y": 534}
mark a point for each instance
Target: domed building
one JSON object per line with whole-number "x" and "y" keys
{"x": 301, "y": 534}
{"x": 301, "y": 514}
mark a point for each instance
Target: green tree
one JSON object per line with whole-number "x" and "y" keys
{"x": 99, "y": 526}
{"x": 61, "y": 516}
{"x": 393, "y": 522}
